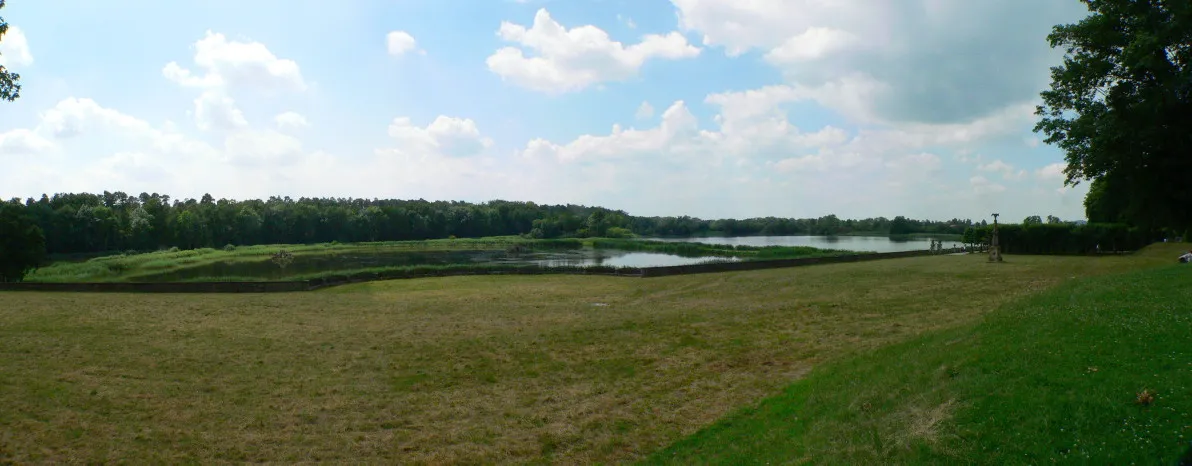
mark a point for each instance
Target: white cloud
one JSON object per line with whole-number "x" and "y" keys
{"x": 565, "y": 60}
{"x": 919, "y": 163}
{"x": 627, "y": 21}
{"x": 981, "y": 185}
{"x": 812, "y": 44}
{"x": 22, "y": 142}
{"x": 997, "y": 166}
{"x": 234, "y": 64}
{"x": 918, "y": 60}
{"x": 98, "y": 147}
{"x": 291, "y": 120}
{"x": 1053, "y": 172}
{"x": 265, "y": 147}
{"x": 214, "y": 110}
{"x": 644, "y": 111}
{"x": 456, "y": 137}
{"x": 676, "y": 133}
{"x": 73, "y": 116}
{"x": 400, "y": 42}
{"x": 14, "y": 49}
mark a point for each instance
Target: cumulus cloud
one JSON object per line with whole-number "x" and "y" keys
{"x": 1052, "y": 172}
{"x": 14, "y": 49}
{"x": 291, "y": 120}
{"x": 228, "y": 67}
{"x": 813, "y": 44}
{"x": 237, "y": 65}
{"x": 23, "y": 142}
{"x": 215, "y": 111}
{"x": 74, "y": 116}
{"x": 563, "y": 60}
{"x": 644, "y": 111}
{"x": 84, "y": 146}
{"x": 401, "y": 42}
{"x": 982, "y": 185}
{"x": 920, "y": 60}
{"x": 456, "y": 137}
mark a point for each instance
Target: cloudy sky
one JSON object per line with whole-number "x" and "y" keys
{"x": 711, "y": 108}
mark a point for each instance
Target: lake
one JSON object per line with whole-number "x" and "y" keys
{"x": 848, "y": 243}
{"x": 264, "y": 269}
{"x": 312, "y": 264}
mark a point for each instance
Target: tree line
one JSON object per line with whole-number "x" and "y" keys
{"x": 1035, "y": 237}
{"x": 83, "y": 223}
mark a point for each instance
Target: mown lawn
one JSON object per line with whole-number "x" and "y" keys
{"x": 1095, "y": 371}
{"x": 471, "y": 369}
{"x": 130, "y": 266}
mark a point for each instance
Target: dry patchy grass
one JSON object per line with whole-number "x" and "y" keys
{"x": 465, "y": 369}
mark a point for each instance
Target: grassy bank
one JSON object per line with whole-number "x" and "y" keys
{"x": 1096, "y": 371}
{"x": 511, "y": 369}
{"x": 124, "y": 267}
{"x": 721, "y": 250}
{"x": 146, "y": 266}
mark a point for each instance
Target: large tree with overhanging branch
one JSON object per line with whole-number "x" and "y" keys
{"x": 10, "y": 83}
{"x": 1120, "y": 107}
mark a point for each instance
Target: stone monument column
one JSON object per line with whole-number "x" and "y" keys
{"x": 995, "y": 253}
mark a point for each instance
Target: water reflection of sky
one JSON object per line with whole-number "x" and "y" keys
{"x": 850, "y": 243}
{"x": 310, "y": 264}
{"x": 610, "y": 258}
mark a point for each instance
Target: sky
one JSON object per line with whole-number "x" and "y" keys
{"x": 708, "y": 108}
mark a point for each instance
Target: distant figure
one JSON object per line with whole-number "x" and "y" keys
{"x": 1098, "y": 248}
{"x": 1187, "y": 257}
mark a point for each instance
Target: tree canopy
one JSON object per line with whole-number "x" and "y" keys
{"x": 22, "y": 244}
{"x": 83, "y": 223}
{"x": 10, "y": 83}
{"x": 1120, "y": 107}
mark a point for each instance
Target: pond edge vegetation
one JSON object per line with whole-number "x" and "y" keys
{"x": 324, "y": 280}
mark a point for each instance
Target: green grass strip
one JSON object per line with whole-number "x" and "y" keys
{"x": 1096, "y": 371}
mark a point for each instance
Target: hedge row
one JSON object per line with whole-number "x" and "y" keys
{"x": 1062, "y": 238}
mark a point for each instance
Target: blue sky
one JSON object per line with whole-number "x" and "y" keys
{"x": 712, "y": 108}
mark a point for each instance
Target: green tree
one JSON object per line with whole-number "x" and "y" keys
{"x": 900, "y": 226}
{"x": 1120, "y": 105}
{"x": 10, "y": 83}
{"x": 189, "y": 229}
{"x": 22, "y": 243}
{"x": 1032, "y": 220}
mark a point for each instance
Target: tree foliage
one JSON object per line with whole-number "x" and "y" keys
{"x": 1120, "y": 107}
{"x": 10, "y": 83}
{"x": 22, "y": 243}
{"x": 1061, "y": 238}
{"x": 83, "y": 223}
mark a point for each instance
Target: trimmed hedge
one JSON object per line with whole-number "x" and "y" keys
{"x": 1064, "y": 238}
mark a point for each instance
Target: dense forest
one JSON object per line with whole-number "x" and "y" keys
{"x": 114, "y": 221}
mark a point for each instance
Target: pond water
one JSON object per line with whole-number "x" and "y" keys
{"x": 306, "y": 265}
{"x": 848, "y": 243}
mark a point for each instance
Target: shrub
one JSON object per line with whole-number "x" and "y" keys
{"x": 229, "y": 247}
{"x": 282, "y": 258}
{"x": 172, "y": 249}
{"x": 618, "y": 232}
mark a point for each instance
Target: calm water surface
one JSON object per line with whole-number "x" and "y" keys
{"x": 849, "y": 243}
{"x": 306, "y": 265}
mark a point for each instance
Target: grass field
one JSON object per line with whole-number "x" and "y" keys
{"x": 151, "y": 266}
{"x": 122, "y": 267}
{"x": 1095, "y": 371}
{"x": 519, "y": 369}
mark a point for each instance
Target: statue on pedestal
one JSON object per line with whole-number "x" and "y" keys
{"x": 995, "y": 253}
